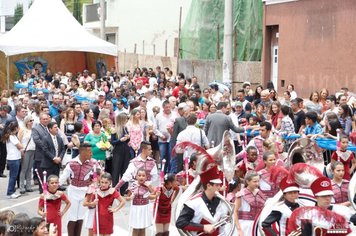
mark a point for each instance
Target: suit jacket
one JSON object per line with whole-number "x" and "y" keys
{"x": 179, "y": 125}
{"x": 216, "y": 124}
{"x": 50, "y": 151}
{"x": 39, "y": 135}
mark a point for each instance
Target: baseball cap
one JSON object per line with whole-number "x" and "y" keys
{"x": 238, "y": 104}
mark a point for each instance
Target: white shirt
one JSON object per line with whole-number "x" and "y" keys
{"x": 13, "y": 153}
{"x": 162, "y": 121}
{"x": 142, "y": 90}
{"x": 25, "y": 140}
{"x": 192, "y": 134}
{"x": 235, "y": 121}
{"x": 55, "y": 143}
{"x": 20, "y": 122}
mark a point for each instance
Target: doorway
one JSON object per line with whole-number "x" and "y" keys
{"x": 274, "y": 66}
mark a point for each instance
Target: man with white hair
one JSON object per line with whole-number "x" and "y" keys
{"x": 265, "y": 99}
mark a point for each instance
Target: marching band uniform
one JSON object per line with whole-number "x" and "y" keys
{"x": 106, "y": 218}
{"x": 199, "y": 210}
{"x": 281, "y": 212}
{"x": 164, "y": 205}
{"x": 250, "y": 207}
{"x": 267, "y": 187}
{"x": 245, "y": 165}
{"x": 54, "y": 202}
{"x": 140, "y": 212}
{"x": 345, "y": 157}
{"x": 90, "y": 213}
{"x": 80, "y": 176}
{"x": 322, "y": 187}
{"x": 137, "y": 163}
{"x": 340, "y": 191}
{"x": 258, "y": 143}
{"x": 182, "y": 176}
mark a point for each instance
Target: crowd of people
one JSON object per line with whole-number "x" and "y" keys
{"x": 96, "y": 140}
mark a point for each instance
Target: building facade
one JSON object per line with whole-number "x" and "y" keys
{"x": 310, "y": 44}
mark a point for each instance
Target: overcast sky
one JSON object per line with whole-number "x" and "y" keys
{"x": 151, "y": 20}
{"x": 7, "y": 7}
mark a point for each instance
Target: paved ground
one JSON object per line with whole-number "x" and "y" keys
{"x": 28, "y": 202}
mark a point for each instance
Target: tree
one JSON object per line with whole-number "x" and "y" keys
{"x": 30, "y": 4}
{"x": 77, "y": 12}
{"x": 76, "y": 7}
{"x": 18, "y": 14}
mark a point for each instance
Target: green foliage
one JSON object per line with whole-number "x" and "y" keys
{"x": 18, "y": 14}
{"x": 76, "y": 7}
{"x": 30, "y": 4}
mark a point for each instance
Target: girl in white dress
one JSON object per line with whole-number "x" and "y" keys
{"x": 140, "y": 212}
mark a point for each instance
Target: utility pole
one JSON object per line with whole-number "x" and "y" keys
{"x": 102, "y": 19}
{"x": 165, "y": 48}
{"x": 218, "y": 42}
{"x": 2, "y": 24}
{"x": 179, "y": 31}
{"x": 227, "y": 58}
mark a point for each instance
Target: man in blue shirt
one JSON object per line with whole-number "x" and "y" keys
{"x": 312, "y": 125}
{"x": 53, "y": 109}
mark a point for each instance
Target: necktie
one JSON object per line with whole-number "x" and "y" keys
{"x": 55, "y": 145}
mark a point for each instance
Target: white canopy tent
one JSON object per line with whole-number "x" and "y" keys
{"x": 48, "y": 26}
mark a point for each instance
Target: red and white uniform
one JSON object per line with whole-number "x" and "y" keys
{"x": 106, "y": 218}
{"x": 251, "y": 205}
{"x": 137, "y": 163}
{"x": 54, "y": 202}
{"x": 267, "y": 187}
{"x": 340, "y": 191}
{"x": 280, "y": 213}
{"x": 164, "y": 205}
{"x": 182, "y": 176}
{"x": 203, "y": 214}
{"x": 80, "y": 176}
{"x": 141, "y": 211}
{"x": 345, "y": 158}
{"x": 246, "y": 165}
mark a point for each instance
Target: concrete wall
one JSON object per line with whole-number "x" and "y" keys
{"x": 129, "y": 61}
{"x": 210, "y": 70}
{"x": 206, "y": 70}
{"x": 316, "y": 44}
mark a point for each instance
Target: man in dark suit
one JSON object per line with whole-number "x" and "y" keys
{"x": 180, "y": 124}
{"x": 54, "y": 151}
{"x": 216, "y": 124}
{"x": 39, "y": 135}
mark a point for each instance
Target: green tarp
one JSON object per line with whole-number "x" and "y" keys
{"x": 199, "y": 33}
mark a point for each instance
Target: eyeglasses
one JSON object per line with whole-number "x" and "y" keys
{"x": 30, "y": 121}
{"x": 144, "y": 100}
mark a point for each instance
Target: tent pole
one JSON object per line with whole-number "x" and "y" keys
{"x": 8, "y": 72}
